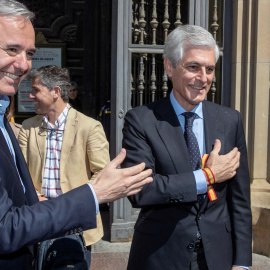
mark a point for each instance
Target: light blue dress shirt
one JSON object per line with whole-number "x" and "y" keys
{"x": 95, "y": 197}
{"x": 4, "y": 102}
{"x": 198, "y": 129}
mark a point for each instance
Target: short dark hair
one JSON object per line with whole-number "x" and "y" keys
{"x": 74, "y": 84}
{"x": 51, "y": 76}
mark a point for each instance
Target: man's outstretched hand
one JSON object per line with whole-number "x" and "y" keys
{"x": 223, "y": 166}
{"x": 112, "y": 183}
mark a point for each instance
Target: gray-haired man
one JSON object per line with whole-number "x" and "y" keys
{"x": 183, "y": 224}
{"x": 25, "y": 221}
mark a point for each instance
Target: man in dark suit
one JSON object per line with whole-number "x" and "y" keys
{"x": 193, "y": 215}
{"x": 23, "y": 220}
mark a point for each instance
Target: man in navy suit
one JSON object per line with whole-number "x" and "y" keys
{"x": 183, "y": 224}
{"x": 23, "y": 220}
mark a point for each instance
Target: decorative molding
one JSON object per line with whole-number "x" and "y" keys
{"x": 40, "y": 38}
{"x": 69, "y": 33}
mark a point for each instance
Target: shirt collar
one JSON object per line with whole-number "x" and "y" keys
{"x": 179, "y": 109}
{"x": 60, "y": 120}
{"x": 4, "y": 102}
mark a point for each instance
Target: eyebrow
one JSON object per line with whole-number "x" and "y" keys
{"x": 198, "y": 64}
{"x": 19, "y": 47}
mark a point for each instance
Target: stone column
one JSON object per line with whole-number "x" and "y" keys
{"x": 250, "y": 95}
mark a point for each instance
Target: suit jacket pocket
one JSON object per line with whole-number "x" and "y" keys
{"x": 149, "y": 226}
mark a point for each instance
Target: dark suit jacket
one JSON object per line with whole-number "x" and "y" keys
{"x": 24, "y": 221}
{"x": 166, "y": 228}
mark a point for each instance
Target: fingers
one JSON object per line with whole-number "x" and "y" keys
{"x": 141, "y": 179}
{"x": 129, "y": 171}
{"x": 118, "y": 159}
{"x": 134, "y": 170}
{"x": 134, "y": 184}
{"x": 233, "y": 153}
{"x": 233, "y": 158}
{"x": 217, "y": 146}
{"x": 143, "y": 175}
{"x": 137, "y": 182}
{"x": 139, "y": 186}
{"x": 42, "y": 198}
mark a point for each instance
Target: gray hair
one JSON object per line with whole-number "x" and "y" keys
{"x": 14, "y": 8}
{"x": 188, "y": 36}
{"x": 51, "y": 76}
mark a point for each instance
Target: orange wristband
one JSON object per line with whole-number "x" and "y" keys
{"x": 210, "y": 178}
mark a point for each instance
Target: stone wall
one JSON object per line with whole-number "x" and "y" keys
{"x": 250, "y": 95}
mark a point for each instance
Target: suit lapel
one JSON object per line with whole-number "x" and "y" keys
{"x": 13, "y": 185}
{"x": 41, "y": 135}
{"x": 213, "y": 129}
{"x": 68, "y": 138}
{"x": 30, "y": 192}
{"x": 170, "y": 132}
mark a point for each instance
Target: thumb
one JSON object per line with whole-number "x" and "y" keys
{"x": 118, "y": 159}
{"x": 217, "y": 146}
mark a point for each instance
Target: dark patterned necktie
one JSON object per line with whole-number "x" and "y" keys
{"x": 192, "y": 146}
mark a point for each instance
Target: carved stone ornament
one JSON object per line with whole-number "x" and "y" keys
{"x": 40, "y": 38}
{"x": 70, "y": 34}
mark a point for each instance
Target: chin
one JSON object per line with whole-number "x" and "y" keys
{"x": 9, "y": 92}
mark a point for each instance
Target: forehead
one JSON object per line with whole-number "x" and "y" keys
{"x": 37, "y": 83}
{"x": 202, "y": 55}
{"x": 17, "y": 31}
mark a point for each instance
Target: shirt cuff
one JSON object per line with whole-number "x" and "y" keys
{"x": 244, "y": 267}
{"x": 200, "y": 181}
{"x": 95, "y": 197}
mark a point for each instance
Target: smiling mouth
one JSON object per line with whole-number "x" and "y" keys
{"x": 11, "y": 76}
{"x": 197, "y": 87}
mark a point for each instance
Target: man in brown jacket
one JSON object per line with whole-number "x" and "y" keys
{"x": 63, "y": 148}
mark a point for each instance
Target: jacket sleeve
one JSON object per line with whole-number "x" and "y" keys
{"x": 69, "y": 213}
{"x": 238, "y": 198}
{"x": 167, "y": 188}
{"x": 97, "y": 148}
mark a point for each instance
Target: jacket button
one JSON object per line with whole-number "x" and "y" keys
{"x": 172, "y": 200}
{"x": 181, "y": 198}
{"x": 191, "y": 245}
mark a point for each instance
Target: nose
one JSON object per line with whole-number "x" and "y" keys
{"x": 202, "y": 75}
{"x": 22, "y": 63}
{"x": 31, "y": 96}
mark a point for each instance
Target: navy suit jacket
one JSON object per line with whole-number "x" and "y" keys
{"x": 24, "y": 221}
{"x": 168, "y": 222}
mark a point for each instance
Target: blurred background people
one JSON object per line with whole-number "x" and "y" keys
{"x": 73, "y": 97}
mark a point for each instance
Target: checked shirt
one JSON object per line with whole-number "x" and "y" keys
{"x": 51, "y": 178}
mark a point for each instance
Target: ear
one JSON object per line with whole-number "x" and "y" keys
{"x": 57, "y": 92}
{"x": 168, "y": 67}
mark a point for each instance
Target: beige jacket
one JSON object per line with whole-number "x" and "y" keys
{"x": 84, "y": 150}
